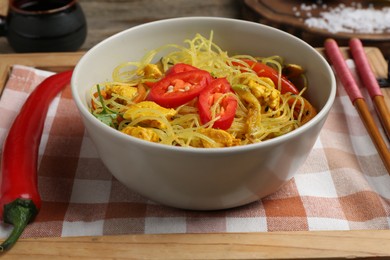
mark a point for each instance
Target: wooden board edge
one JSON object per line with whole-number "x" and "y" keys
{"x": 55, "y": 62}
{"x": 52, "y": 59}
{"x": 260, "y": 12}
{"x": 256, "y": 245}
{"x": 5, "y": 70}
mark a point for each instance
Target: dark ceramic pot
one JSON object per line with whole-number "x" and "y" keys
{"x": 44, "y": 25}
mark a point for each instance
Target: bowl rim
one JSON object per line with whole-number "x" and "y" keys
{"x": 224, "y": 150}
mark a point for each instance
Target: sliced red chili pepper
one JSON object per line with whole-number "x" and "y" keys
{"x": 264, "y": 70}
{"x": 181, "y": 67}
{"x": 19, "y": 197}
{"x": 177, "y": 68}
{"x": 228, "y": 106}
{"x": 179, "y": 88}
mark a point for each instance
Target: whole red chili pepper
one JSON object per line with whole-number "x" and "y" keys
{"x": 19, "y": 196}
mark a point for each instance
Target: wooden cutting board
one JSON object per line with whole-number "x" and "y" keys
{"x": 290, "y": 17}
{"x": 266, "y": 245}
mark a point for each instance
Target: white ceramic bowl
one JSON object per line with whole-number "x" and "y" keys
{"x": 203, "y": 178}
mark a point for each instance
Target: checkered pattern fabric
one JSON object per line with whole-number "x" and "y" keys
{"x": 343, "y": 185}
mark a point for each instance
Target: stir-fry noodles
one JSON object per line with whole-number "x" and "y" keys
{"x": 197, "y": 95}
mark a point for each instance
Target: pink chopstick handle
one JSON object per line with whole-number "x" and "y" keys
{"x": 364, "y": 68}
{"x": 341, "y": 68}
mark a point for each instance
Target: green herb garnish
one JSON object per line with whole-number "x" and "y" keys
{"x": 106, "y": 116}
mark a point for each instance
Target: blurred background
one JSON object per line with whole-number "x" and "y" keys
{"x": 107, "y": 17}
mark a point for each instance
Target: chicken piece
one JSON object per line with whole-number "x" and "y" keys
{"x": 221, "y": 137}
{"x": 254, "y": 108}
{"x": 141, "y": 133}
{"x": 151, "y": 71}
{"x": 122, "y": 90}
{"x": 269, "y": 97}
{"x": 268, "y": 81}
{"x": 149, "y": 109}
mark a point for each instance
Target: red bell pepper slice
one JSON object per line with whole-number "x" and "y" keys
{"x": 176, "y": 89}
{"x": 228, "y": 106}
{"x": 263, "y": 70}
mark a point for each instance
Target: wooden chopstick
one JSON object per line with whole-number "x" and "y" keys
{"x": 335, "y": 56}
{"x": 370, "y": 83}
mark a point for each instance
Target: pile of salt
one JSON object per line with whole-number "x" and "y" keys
{"x": 347, "y": 19}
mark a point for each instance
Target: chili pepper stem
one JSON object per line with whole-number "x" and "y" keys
{"x": 18, "y": 213}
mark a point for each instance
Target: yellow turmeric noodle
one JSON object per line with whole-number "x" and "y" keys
{"x": 262, "y": 112}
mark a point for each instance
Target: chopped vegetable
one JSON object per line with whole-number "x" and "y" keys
{"x": 181, "y": 67}
{"x": 106, "y": 116}
{"x": 179, "y": 88}
{"x": 141, "y": 93}
{"x": 214, "y": 103}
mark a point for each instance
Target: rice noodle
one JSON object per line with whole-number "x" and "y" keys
{"x": 183, "y": 128}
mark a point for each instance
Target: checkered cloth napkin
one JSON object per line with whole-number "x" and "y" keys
{"x": 342, "y": 186}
